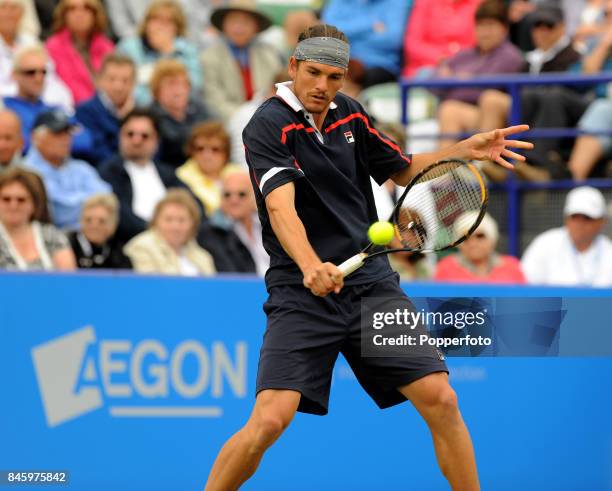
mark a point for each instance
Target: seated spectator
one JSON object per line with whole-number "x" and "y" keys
{"x": 68, "y": 181}
{"x": 477, "y": 260}
{"x": 521, "y": 18}
{"x": 137, "y": 179}
{"x": 493, "y": 54}
{"x": 12, "y": 41}
{"x": 161, "y": 35}
{"x": 233, "y": 235}
{"x": 374, "y": 29}
{"x": 30, "y": 73}
{"x": 95, "y": 246}
{"x": 26, "y": 244}
{"x": 113, "y": 100}
{"x": 437, "y": 30}
{"x": 11, "y": 141}
{"x": 208, "y": 148}
{"x": 577, "y": 254}
{"x": 542, "y": 106}
{"x": 169, "y": 246}
{"x": 79, "y": 45}
{"x": 175, "y": 110}
{"x": 237, "y": 65}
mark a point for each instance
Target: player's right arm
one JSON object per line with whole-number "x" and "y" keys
{"x": 321, "y": 278}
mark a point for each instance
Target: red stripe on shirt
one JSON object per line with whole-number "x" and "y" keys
{"x": 295, "y": 127}
{"x": 374, "y": 131}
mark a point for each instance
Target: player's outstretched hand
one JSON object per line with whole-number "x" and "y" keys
{"x": 323, "y": 279}
{"x": 492, "y": 145}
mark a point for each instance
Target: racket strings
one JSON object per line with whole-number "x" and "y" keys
{"x": 441, "y": 208}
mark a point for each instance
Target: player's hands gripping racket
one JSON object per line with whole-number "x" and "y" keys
{"x": 450, "y": 199}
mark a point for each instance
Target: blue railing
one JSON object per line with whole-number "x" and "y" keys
{"x": 513, "y": 84}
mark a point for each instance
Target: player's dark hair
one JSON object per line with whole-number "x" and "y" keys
{"x": 141, "y": 112}
{"x": 322, "y": 31}
{"x": 493, "y": 10}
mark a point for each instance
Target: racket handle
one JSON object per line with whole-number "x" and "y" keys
{"x": 351, "y": 264}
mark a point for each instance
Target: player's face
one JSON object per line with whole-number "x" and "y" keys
{"x": 315, "y": 84}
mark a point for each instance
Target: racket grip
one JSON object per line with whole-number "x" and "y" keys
{"x": 351, "y": 264}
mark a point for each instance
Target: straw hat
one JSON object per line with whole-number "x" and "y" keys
{"x": 247, "y": 6}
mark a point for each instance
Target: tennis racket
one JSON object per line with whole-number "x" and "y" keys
{"x": 442, "y": 205}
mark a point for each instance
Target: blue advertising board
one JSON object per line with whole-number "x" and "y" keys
{"x": 134, "y": 383}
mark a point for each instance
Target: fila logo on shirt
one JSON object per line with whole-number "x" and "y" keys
{"x": 349, "y": 137}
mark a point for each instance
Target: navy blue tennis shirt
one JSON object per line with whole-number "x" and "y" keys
{"x": 331, "y": 172}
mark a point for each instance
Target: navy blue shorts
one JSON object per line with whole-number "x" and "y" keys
{"x": 305, "y": 334}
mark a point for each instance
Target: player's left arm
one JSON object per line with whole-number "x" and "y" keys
{"x": 490, "y": 145}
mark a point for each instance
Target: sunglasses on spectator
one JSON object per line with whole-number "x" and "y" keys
{"x": 17, "y": 199}
{"x": 143, "y": 135}
{"x": 479, "y": 235}
{"x": 30, "y": 72}
{"x": 202, "y": 148}
{"x": 240, "y": 194}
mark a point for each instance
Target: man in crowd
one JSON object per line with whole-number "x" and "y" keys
{"x": 578, "y": 253}
{"x": 30, "y": 73}
{"x": 69, "y": 182}
{"x": 113, "y": 100}
{"x": 13, "y": 39}
{"x": 233, "y": 235}
{"x": 137, "y": 179}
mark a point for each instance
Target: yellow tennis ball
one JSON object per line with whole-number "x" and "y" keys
{"x": 381, "y": 233}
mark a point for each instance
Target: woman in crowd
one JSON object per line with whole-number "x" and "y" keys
{"x": 176, "y": 111}
{"x": 161, "y": 35}
{"x": 477, "y": 261}
{"x": 208, "y": 148}
{"x": 79, "y": 45}
{"x": 238, "y": 64}
{"x": 25, "y": 242}
{"x": 169, "y": 246}
{"x": 94, "y": 246}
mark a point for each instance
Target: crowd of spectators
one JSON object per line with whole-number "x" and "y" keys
{"x": 121, "y": 122}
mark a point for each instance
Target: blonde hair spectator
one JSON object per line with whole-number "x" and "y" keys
{"x": 168, "y": 247}
{"x": 108, "y": 201}
{"x": 179, "y": 197}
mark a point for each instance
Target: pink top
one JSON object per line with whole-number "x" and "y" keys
{"x": 71, "y": 67}
{"x": 436, "y": 30}
{"x": 507, "y": 269}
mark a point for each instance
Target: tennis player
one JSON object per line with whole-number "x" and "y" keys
{"x": 311, "y": 151}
